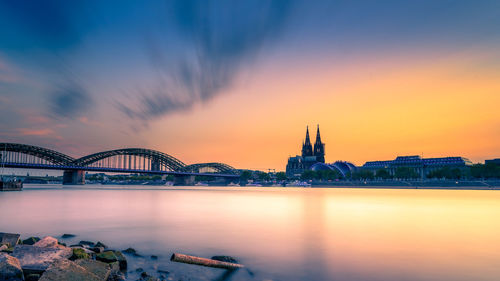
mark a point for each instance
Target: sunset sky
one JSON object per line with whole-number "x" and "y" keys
{"x": 238, "y": 81}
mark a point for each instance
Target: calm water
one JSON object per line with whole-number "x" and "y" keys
{"x": 280, "y": 233}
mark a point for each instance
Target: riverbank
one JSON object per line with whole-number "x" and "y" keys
{"x": 427, "y": 184}
{"x": 50, "y": 259}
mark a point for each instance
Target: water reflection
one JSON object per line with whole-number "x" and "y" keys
{"x": 281, "y": 234}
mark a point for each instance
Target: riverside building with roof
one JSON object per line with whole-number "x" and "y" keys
{"x": 422, "y": 166}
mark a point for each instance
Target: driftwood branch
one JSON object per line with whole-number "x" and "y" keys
{"x": 204, "y": 262}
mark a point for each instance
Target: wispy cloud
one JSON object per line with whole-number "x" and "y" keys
{"x": 35, "y": 132}
{"x": 7, "y": 72}
{"x": 221, "y": 37}
{"x": 69, "y": 100}
{"x": 53, "y": 29}
{"x": 36, "y": 119}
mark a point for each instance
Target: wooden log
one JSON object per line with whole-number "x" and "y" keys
{"x": 204, "y": 262}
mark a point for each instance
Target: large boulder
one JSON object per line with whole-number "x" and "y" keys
{"x": 6, "y": 249}
{"x": 131, "y": 251}
{"x": 100, "y": 244}
{"x": 47, "y": 242}
{"x": 10, "y": 268}
{"x": 122, "y": 261}
{"x": 79, "y": 253}
{"x": 87, "y": 243}
{"x": 68, "y": 270}
{"x": 99, "y": 269}
{"x": 31, "y": 240}
{"x": 113, "y": 256}
{"x": 35, "y": 259}
{"x": 97, "y": 249}
{"x": 9, "y": 239}
{"x": 116, "y": 274}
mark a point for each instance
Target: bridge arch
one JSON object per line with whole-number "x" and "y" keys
{"x": 51, "y": 156}
{"x": 158, "y": 160}
{"x": 212, "y": 167}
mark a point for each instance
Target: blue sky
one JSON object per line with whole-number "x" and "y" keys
{"x": 74, "y": 72}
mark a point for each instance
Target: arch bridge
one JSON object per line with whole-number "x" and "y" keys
{"x": 126, "y": 160}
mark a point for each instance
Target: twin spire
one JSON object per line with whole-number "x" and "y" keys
{"x": 319, "y": 147}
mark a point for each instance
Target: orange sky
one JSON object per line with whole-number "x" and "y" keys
{"x": 368, "y": 109}
{"x": 239, "y": 82}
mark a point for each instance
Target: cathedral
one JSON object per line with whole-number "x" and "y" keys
{"x": 310, "y": 155}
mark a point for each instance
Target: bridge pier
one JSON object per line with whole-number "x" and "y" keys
{"x": 183, "y": 180}
{"x": 74, "y": 177}
{"x": 225, "y": 181}
{"x": 228, "y": 181}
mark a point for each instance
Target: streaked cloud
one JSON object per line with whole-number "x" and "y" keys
{"x": 35, "y": 132}
{"x": 238, "y": 80}
{"x": 7, "y": 72}
{"x": 221, "y": 36}
{"x": 69, "y": 100}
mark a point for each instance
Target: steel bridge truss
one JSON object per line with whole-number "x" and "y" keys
{"x": 209, "y": 168}
{"x": 127, "y": 159}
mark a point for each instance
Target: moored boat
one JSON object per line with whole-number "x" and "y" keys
{"x": 11, "y": 185}
{"x": 298, "y": 184}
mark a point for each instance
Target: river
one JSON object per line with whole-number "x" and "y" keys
{"x": 279, "y": 233}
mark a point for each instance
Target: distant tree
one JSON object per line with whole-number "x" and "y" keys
{"x": 263, "y": 176}
{"x": 362, "y": 174}
{"x": 435, "y": 174}
{"x": 382, "y": 174}
{"x": 328, "y": 175}
{"x": 455, "y": 174}
{"x": 447, "y": 173}
{"x": 281, "y": 176}
{"x": 308, "y": 175}
{"x": 245, "y": 175}
{"x": 487, "y": 171}
{"x": 405, "y": 173}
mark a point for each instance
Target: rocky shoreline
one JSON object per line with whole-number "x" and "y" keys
{"x": 48, "y": 259}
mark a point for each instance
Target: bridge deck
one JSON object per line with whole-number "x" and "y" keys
{"x": 109, "y": 170}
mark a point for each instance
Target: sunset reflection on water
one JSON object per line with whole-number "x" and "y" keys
{"x": 282, "y": 233}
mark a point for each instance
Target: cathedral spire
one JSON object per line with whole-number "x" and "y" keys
{"x": 318, "y": 137}
{"x": 319, "y": 148}
{"x": 308, "y": 141}
{"x": 307, "y": 149}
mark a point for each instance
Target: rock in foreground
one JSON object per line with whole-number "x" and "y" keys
{"x": 47, "y": 242}
{"x": 9, "y": 239}
{"x": 99, "y": 269}
{"x": 68, "y": 270}
{"x": 79, "y": 253}
{"x": 31, "y": 240}
{"x": 10, "y": 268}
{"x": 113, "y": 256}
{"x": 37, "y": 259}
